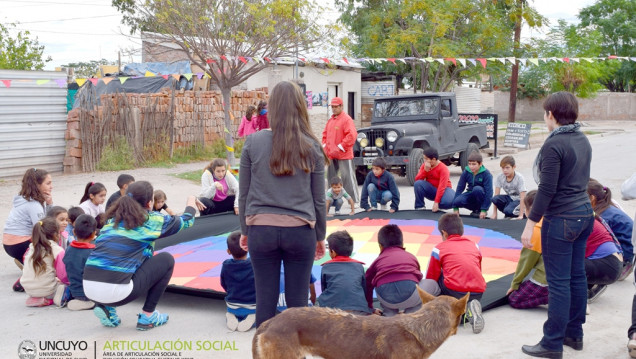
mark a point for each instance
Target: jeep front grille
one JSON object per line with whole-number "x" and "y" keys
{"x": 373, "y": 134}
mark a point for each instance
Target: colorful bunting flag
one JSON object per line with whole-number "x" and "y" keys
{"x": 61, "y": 83}
{"x": 94, "y": 81}
{"x": 107, "y": 80}
{"x": 7, "y": 83}
{"x": 462, "y": 61}
{"x": 392, "y": 59}
{"x": 472, "y": 61}
{"x": 200, "y": 75}
{"x": 80, "y": 82}
{"x": 42, "y": 82}
{"x": 482, "y": 61}
{"x": 188, "y": 76}
{"x": 451, "y": 59}
{"x": 534, "y": 61}
{"x": 149, "y": 74}
{"x": 123, "y": 79}
{"x": 242, "y": 59}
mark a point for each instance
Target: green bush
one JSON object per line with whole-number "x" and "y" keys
{"x": 117, "y": 156}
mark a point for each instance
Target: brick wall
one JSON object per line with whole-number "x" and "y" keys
{"x": 190, "y": 109}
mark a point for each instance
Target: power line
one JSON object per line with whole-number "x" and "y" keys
{"x": 54, "y": 3}
{"x": 69, "y": 19}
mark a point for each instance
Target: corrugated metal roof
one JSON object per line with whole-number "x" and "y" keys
{"x": 32, "y": 121}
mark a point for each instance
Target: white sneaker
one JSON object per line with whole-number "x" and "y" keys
{"x": 247, "y": 323}
{"x": 383, "y": 207}
{"x": 337, "y": 213}
{"x": 232, "y": 322}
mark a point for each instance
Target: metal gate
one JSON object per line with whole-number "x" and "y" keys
{"x": 32, "y": 121}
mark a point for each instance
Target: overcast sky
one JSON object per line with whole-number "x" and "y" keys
{"x": 84, "y": 30}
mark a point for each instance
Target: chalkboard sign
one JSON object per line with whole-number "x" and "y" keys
{"x": 517, "y": 135}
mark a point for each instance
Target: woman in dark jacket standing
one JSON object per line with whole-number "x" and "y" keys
{"x": 562, "y": 170}
{"x": 282, "y": 201}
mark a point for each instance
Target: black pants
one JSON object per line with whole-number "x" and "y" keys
{"x": 268, "y": 246}
{"x": 17, "y": 250}
{"x": 226, "y": 205}
{"x": 152, "y": 278}
{"x": 604, "y": 270}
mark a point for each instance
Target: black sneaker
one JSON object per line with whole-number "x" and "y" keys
{"x": 595, "y": 292}
{"x": 17, "y": 287}
{"x": 475, "y": 214}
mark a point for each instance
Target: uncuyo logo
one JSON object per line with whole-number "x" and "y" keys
{"x": 27, "y": 350}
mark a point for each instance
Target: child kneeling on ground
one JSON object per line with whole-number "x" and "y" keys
{"x": 342, "y": 278}
{"x": 237, "y": 279}
{"x": 455, "y": 269}
{"x": 75, "y": 259}
{"x": 379, "y": 186}
{"x": 395, "y": 275}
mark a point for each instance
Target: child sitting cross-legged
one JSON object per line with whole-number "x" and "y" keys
{"x": 75, "y": 259}
{"x": 533, "y": 291}
{"x": 512, "y": 182}
{"x": 455, "y": 268}
{"x": 379, "y": 186}
{"x": 395, "y": 275}
{"x": 336, "y": 196}
{"x": 237, "y": 279}
{"x": 342, "y": 278}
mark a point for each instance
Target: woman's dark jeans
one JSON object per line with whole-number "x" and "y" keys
{"x": 268, "y": 246}
{"x": 563, "y": 241}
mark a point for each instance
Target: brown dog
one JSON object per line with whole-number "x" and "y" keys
{"x": 333, "y": 333}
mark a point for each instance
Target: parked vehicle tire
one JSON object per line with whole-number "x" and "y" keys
{"x": 361, "y": 174}
{"x": 463, "y": 156}
{"x": 416, "y": 158}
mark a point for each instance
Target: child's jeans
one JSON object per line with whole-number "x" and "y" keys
{"x": 424, "y": 189}
{"x": 470, "y": 200}
{"x": 335, "y": 203}
{"x": 398, "y": 297}
{"x": 376, "y": 195}
{"x": 505, "y": 204}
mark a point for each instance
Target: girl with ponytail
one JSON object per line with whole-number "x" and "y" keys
{"x": 44, "y": 275}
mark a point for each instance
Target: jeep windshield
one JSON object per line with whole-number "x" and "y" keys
{"x": 387, "y": 110}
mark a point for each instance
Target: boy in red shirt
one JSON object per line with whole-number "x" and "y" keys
{"x": 433, "y": 183}
{"x": 455, "y": 268}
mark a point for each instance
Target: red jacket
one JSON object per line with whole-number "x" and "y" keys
{"x": 340, "y": 130}
{"x": 438, "y": 176}
{"x": 459, "y": 260}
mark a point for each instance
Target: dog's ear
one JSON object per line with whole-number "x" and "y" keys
{"x": 425, "y": 296}
{"x": 459, "y": 307}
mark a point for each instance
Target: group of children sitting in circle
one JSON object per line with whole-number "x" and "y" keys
{"x": 82, "y": 258}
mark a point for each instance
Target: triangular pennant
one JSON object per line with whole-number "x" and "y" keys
{"x": 633, "y": 58}
{"x": 123, "y": 79}
{"x": 441, "y": 61}
{"x": 165, "y": 77}
{"x": 534, "y": 61}
{"x": 249, "y": 59}
{"x": 462, "y": 61}
{"x": 188, "y": 76}
{"x": 94, "y": 81}
{"x": 80, "y": 82}
{"x": 502, "y": 60}
{"x": 512, "y": 60}
{"x": 391, "y": 59}
{"x": 107, "y": 80}
{"x": 623, "y": 58}
{"x": 42, "y": 82}
{"x": 472, "y": 61}
{"x": 402, "y": 60}
{"x": 242, "y": 59}
{"x": 345, "y": 60}
{"x": 558, "y": 59}
{"x": 523, "y": 61}
{"x": 302, "y": 59}
{"x": 268, "y": 59}
{"x": 325, "y": 60}
{"x": 451, "y": 59}
{"x": 588, "y": 59}
{"x": 492, "y": 59}
{"x": 149, "y": 74}
{"x": 566, "y": 59}
{"x": 575, "y": 59}
{"x": 223, "y": 57}
{"x": 61, "y": 82}
{"x": 209, "y": 61}
{"x": 200, "y": 75}
{"x": 176, "y": 76}
{"x": 612, "y": 57}
{"x": 207, "y": 76}
{"x": 6, "y": 83}
{"x": 482, "y": 61}
{"x": 429, "y": 59}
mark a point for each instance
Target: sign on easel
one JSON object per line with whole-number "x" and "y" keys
{"x": 517, "y": 135}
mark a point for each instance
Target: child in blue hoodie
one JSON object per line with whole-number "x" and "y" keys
{"x": 477, "y": 181}
{"x": 379, "y": 186}
{"x": 237, "y": 279}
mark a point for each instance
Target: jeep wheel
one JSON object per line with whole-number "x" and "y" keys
{"x": 463, "y": 156}
{"x": 361, "y": 174}
{"x": 416, "y": 158}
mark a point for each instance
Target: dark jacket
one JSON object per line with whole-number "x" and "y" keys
{"x": 237, "y": 278}
{"x": 565, "y": 172}
{"x": 342, "y": 283}
{"x": 385, "y": 182}
{"x": 468, "y": 181}
{"x": 74, "y": 260}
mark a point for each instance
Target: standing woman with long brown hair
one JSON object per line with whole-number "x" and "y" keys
{"x": 282, "y": 201}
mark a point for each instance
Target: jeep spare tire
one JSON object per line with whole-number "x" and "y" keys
{"x": 463, "y": 156}
{"x": 416, "y": 158}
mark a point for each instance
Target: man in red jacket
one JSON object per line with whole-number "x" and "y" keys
{"x": 338, "y": 139}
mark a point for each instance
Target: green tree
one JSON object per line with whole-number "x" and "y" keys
{"x": 20, "y": 52}
{"x": 615, "y": 20}
{"x": 580, "y": 78}
{"x": 87, "y": 69}
{"x": 209, "y": 29}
